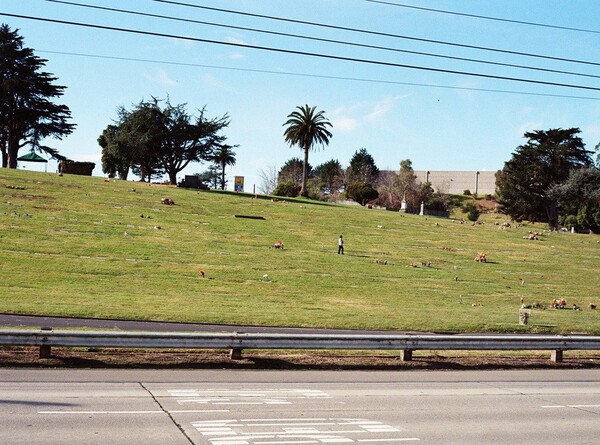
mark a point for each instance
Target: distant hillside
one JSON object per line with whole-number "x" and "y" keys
{"x": 79, "y": 246}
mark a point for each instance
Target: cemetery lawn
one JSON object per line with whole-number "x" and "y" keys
{"x": 82, "y": 247}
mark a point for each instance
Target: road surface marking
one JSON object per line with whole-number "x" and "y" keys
{"x": 286, "y": 431}
{"x": 570, "y": 406}
{"x": 101, "y": 412}
{"x": 136, "y": 412}
{"x": 212, "y": 396}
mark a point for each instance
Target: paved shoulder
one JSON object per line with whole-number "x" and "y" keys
{"x": 10, "y": 320}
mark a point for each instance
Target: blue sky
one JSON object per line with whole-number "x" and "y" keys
{"x": 440, "y": 121}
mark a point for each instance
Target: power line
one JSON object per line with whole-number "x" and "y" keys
{"x": 302, "y": 53}
{"x": 383, "y": 34}
{"x": 485, "y": 17}
{"x": 318, "y": 39}
{"x": 317, "y": 76}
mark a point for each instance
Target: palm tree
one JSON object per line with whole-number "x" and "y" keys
{"x": 305, "y": 127}
{"x": 224, "y": 155}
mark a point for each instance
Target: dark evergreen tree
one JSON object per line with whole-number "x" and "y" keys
{"x": 579, "y": 197}
{"x": 27, "y": 113}
{"x": 116, "y": 158}
{"x": 524, "y": 184}
{"x": 361, "y": 192}
{"x": 165, "y": 140}
{"x": 141, "y": 136}
{"x": 211, "y": 177}
{"x": 330, "y": 175}
{"x": 363, "y": 168}
{"x": 293, "y": 170}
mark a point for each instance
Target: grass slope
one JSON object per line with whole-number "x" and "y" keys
{"x": 79, "y": 246}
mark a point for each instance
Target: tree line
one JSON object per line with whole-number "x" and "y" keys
{"x": 362, "y": 181}
{"x": 551, "y": 178}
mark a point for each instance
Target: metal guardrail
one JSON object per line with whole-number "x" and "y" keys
{"x": 238, "y": 341}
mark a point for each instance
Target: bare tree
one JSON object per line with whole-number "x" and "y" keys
{"x": 268, "y": 179}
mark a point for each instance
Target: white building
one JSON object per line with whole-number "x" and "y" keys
{"x": 456, "y": 182}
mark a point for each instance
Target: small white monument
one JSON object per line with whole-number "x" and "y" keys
{"x": 422, "y": 212}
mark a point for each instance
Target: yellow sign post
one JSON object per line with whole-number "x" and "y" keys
{"x": 239, "y": 184}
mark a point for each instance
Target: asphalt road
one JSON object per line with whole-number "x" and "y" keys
{"x": 228, "y": 407}
{"x": 10, "y": 320}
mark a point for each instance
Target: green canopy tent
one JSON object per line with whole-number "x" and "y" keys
{"x": 33, "y": 157}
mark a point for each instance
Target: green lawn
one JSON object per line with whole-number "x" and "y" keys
{"x": 79, "y": 246}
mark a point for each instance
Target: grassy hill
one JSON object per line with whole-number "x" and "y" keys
{"x": 79, "y": 246}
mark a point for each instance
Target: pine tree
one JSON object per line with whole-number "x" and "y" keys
{"x": 27, "y": 113}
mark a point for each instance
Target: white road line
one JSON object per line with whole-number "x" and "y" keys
{"x": 203, "y": 401}
{"x": 382, "y": 429}
{"x": 101, "y": 412}
{"x": 288, "y": 419}
{"x": 212, "y": 422}
{"x": 244, "y": 440}
{"x": 238, "y": 403}
{"x": 182, "y": 411}
{"x": 305, "y": 431}
{"x": 285, "y": 442}
{"x": 271, "y": 440}
{"x": 289, "y": 433}
{"x": 251, "y": 393}
{"x": 217, "y": 432}
{"x": 570, "y": 406}
{"x": 282, "y": 424}
{"x": 237, "y": 442}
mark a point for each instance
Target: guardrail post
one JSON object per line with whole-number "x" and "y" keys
{"x": 406, "y": 355}
{"x": 45, "y": 350}
{"x": 235, "y": 354}
{"x": 556, "y": 356}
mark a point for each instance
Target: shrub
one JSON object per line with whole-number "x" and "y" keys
{"x": 438, "y": 202}
{"x": 467, "y": 192}
{"x": 287, "y": 188}
{"x": 570, "y": 221}
{"x": 314, "y": 189}
{"x": 472, "y": 211}
{"x": 456, "y": 201}
{"x": 588, "y": 217}
{"x": 361, "y": 192}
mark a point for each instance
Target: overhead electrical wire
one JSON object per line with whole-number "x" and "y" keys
{"x": 301, "y": 53}
{"x": 317, "y": 76}
{"x": 485, "y": 17}
{"x": 319, "y": 39}
{"x": 377, "y": 33}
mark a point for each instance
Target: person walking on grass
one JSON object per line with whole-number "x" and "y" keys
{"x": 341, "y": 245}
